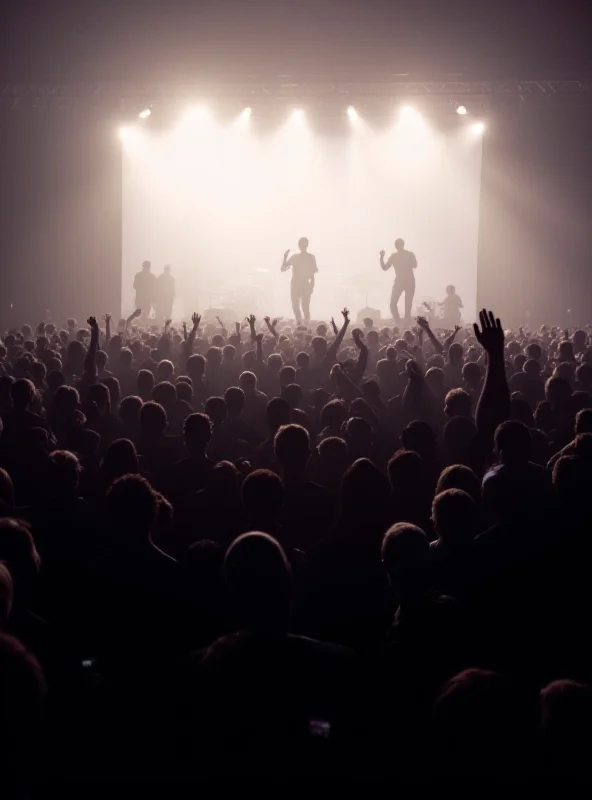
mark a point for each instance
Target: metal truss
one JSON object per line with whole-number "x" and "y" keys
{"x": 443, "y": 95}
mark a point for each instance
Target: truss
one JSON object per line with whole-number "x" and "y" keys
{"x": 444, "y": 95}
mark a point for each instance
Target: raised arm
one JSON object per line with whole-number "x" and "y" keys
{"x": 90, "y": 369}
{"x": 271, "y": 326}
{"x": 493, "y": 406}
{"x": 137, "y": 313}
{"x": 451, "y": 338}
{"x": 107, "y": 328}
{"x": 334, "y": 349}
{"x": 196, "y": 319}
{"x": 423, "y": 323}
{"x": 285, "y": 263}
{"x": 362, "y": 361}
{"x": 385, "y": 265}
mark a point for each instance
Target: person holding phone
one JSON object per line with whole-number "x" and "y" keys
{"x": 304, "y": 268}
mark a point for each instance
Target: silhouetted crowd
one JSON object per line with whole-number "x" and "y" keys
{"x": 267, "y": 549}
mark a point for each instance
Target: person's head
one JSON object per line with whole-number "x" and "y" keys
{"x": 213, "y": 358}
{"x": 287, "y": 375}
{"x": 572, "y": 477}
{"x": 303, "y": 244}
{"x": 333, "y": 415}
{"x": 364, "y": 493}
{"x": 197, "y": 431}
{"x": 419, "y": 436}
{"x": 228, "y": 353}
{"x": 22, "y": 394}
{"x": 6, "y": 595}
{"x": 101, "y": 359}
{"x": 358, "y": 434}
{"x": 196, "y": 366}
{"x": 450, "y": 290}
{"x": 332, "y": 459}
{"x": 120, "y": 459}
{"x": 399, "y": 245}
{"x": 6, "y": 490}
{"x": 145, "y": 383}
{"x": 258, "y": 578}
{"x": 114, "y": 388}
{"x": 153, "y": 419}
{"x": 532, "y": 368}
{"x": 19, "y": 554}
{"x": 55, "y": 379}
{"x": 292, "y": 448}
{"x": 293, "y": 395}
{"x": 458, "y": 476}
{"x": 62, "y": 475}
{"x": 278, "y": 413}
{"x": 458, "y": 403}
{"x": 456, "y": 354}
{"x": 534, "y": 351}
{"x": 38, "y": 372}
{"x": 167, "y": 269}
{"x": 223, "y": 484}
{"x": 146, "y": 266}
{"x": 98, "y": 393}
{"x": 184, "y": 391}
{"x": 302, "y": 360}
{"x": 274, "y": 364}
{"x": 263, "y": 496}
{"x": 215, "y": 409}
{"x": 131, "y": 506}
{"x": 66, "y": 400}
{"x": 406, "y": 558}
{"x": 584, "y": 377}
{"x": 406, "y": 472}
{"x": 319, "y": 346}
{"x": 566, "y": 725}
{"x": 519, "y": 362}
{"x": 512, "y": 442}
{"x": 235, "y": 401}
{"x": 566, "y": 351}
{"x": 248, "y": 382}
{"x": 129, "y": 411}
{"x": 583, "y": 423}
{"x": 454, "y": 515}
{"x": 434, "y": 378}
{"x": 165, "y": 394}
{"x": 164, "y": 371}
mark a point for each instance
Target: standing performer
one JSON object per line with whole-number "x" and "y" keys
{"x": 145, "y": 286}
{"x": 452, "y": 306}
{"x": 165, "y": 294}
{"x": 304, "y": 269}
{"x": 403, "y": 262}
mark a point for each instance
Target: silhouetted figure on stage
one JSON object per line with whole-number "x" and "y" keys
{"x": 145, "y": 286}
{"x": 165, "y": 294}
{"x": 304, "y": 269}
{"x": 403, "y": 262}
{"x": 452, "y": 306}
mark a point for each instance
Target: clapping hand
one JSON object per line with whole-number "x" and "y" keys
{"x": 491, "y": 335}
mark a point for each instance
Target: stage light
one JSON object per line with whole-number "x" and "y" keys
{"x": 352, "y": 113}
{"x": 126, "y": 134}
{"x": 478, "y": 128}
{"x": 246, "y": 113}
{"x": 408, "y": 112}
{"x": 145, "y": 113}
{"x": 196, "y": 114}
{"x": 298, "y": 115}
{"x": 461, "y": 110}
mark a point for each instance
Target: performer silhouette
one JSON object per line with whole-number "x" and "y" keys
{"x": 403, "y": 262}
{"x": 304, "y": 269}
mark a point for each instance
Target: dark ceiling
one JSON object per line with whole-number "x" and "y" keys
{"x": 176, "y": 39}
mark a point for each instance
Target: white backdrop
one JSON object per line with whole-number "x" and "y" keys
{"x": 221, "y": 203}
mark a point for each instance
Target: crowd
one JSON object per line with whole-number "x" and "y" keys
{"x": 282, "y": 550}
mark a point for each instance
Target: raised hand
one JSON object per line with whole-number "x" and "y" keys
{"x": 167, "y": 322}
{"x": 237, "y": 327}
{"x": 196, "y": 319}
{"x": 382, "y": 253}
{"x": 92, "y": 322}
{"x": 252, "y": 319}
{"x": 107, "y": 318}
{"x": 413, "y": 370}
{"x": 185, "y": 329}
{"x": 286, "y": 254}
{"x": 259, "y": 338}
{"x": 457, "y": 328}
{"x": 423, "y": 323}
{"x": 274, "y": 322}
{"x": 345, "y": 314}
{"x": 267, "y": 320}
{"x": 491, "y": 335}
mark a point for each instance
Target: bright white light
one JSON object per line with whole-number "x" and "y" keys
{"x": 461, "y": 110}
{"x": 352, "y": 113}
{"x": 246, "y": 113}
{"x": 127, "y": 134}
{"x": 196, "y": 114}
{"x": 298, "y": 115}
{"x": 478, "y": 128}
{"x": 145, "y": 113}
{"x": 409, "y": 113}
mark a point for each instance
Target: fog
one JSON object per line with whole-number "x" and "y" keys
{"x": 221, "y": 202}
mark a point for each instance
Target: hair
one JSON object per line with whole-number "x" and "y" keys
{"x": 512, "y": 441}
{"x": 197, "y": 431}
{"x": 120, "y": 459}
{"x": 454, "y": 515}
{"x": 248, "y": 381}
{"x": 458, "y": 476}
{"x": 165, "y": 394}
{"x": 333, "y": 414}
{"x": 215, "y": 409}
{"x": 153, "y": 418}
{"x": 129, "y": 410}
{"x": 22, "y": 393}
{"x": 131, "y": 504}
{"x": 277, "y": 413}
{"x": 63, "y": 472}
{"x": 292, "y": 444}
{"x": 263, "y": 494}
{"x": 458, "y": 403}
{"x": 234, "y": 399}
